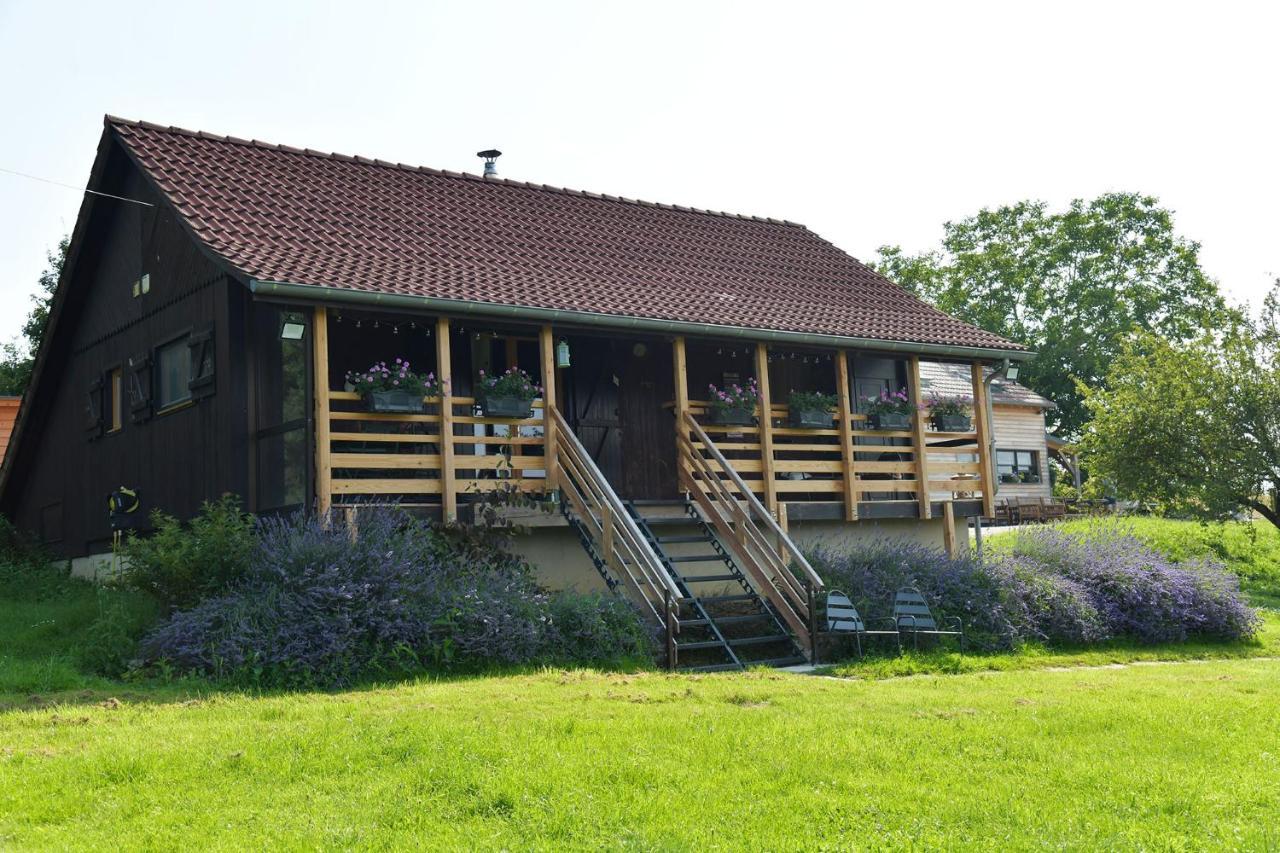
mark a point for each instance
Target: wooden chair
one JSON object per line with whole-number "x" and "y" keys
{"x": 1053, "y": 509}
{"x": 912, "y": 615}
{"x": 1006, "y": 513}
{"x": 844, "y": 618}
{"x": 1029, "y": 509}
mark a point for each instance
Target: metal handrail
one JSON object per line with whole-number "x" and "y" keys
{"x": 649, "y": 563}
{"x": 753, "y": 503}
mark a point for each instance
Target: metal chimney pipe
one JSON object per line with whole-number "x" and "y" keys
{"x": 490, "y": 157}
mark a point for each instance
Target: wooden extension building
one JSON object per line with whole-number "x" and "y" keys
{"x": 215, "y": 301}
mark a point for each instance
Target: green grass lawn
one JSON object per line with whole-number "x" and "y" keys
{"x": 1166, "y": 747}
{"x": 1167, "y": 756}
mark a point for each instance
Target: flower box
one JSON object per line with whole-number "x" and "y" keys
{"x": 506, "y": 407}
{"x": 393, "y": 402}
{"x": 810, "y": 418}
{"x": 952, "y": 423}
{"x": 733, "y": 416}
{"x": 889, "y": 420}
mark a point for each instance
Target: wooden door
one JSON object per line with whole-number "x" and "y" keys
{"x": 591, "y": 403}
{"x": 648, "y": 429}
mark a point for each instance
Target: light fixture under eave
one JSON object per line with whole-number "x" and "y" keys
{"x": 292, "y": 327}
{"x": 1011, "y": 370}
{"x": 562, "y": 353}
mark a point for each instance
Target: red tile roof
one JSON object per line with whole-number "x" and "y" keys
{"x": 305, "y": 217}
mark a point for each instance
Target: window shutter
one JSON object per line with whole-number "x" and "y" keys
{"x": 202, "y": 363}
{"x": 140, "y": 387}
{"x": 93, "y": 408}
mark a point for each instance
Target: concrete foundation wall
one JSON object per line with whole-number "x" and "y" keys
{"x": 561, "y": 562}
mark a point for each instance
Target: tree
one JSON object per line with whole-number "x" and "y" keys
{"x": 1071, "y": 285}
{"x": 17, "y": 357}
{"x": 1193, "y": 427}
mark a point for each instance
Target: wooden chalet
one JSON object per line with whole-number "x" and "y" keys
{"x": 216, "y": 297}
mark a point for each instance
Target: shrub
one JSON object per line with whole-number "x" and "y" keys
{"x": 27, "y": 573}
{"x": 978, "y": 593}
{"x": 319, "y": 607}
{"x": 181, "y": 564}
{"x": 1051, "y": 587}
{"x": 593, "y": 628}
{"x": 1138, "y": 592}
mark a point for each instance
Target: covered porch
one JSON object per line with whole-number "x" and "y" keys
{"x": 637, "y": 403}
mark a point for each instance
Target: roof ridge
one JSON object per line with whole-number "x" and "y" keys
{"x": 113, "y": 121}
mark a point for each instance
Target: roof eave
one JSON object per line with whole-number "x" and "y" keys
{"x": 339, "y": 295}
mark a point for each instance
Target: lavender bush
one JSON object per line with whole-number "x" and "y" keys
{"x": 1138, "y": 592}
{"x": 1053, "y": 587}
{"x": 979, "y": 593}
{"x": 319, "y": 607}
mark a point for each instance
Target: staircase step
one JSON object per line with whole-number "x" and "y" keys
{"x": 699, "y": 644}
{"x": 675, "y": 540}
{"x": 722, "y": 620}
{"x": 707, "y": 578}
{"x": 717, "y": 599}
{"x": 696, "y": 558}
{"x": 758, "y": 641}
{"x": 658, "y": 502}
{"x": 653, "y": 520}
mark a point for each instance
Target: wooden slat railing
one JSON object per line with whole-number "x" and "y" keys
{"x": 617, "y": 538}
{"x": 885, "y": 465}
{"x": 375, "y": 455}
{"x": 765, "y": 553}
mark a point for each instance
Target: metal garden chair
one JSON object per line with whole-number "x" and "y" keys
{"x": 912, "y": 615}
{"x": 844, "y": 618}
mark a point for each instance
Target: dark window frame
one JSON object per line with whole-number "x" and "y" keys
{"x": 113, "y": 406}
{"x": 1016, "y": 468}
{"x": 182, "y": 342}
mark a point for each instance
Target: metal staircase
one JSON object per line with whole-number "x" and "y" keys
{"x": 723, "y": 622}
{"x": 672, "y": 562}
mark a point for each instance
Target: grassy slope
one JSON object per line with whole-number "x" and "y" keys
{"x": 1176, "y": 755}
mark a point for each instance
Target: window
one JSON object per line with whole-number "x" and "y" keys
{"x": 115, "y": 399}
{"x": 1018, "y": 466}
{"x": 173, "y": 379}
{"x": 283, "y": 450}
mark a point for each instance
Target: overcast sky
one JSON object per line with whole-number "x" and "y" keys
{"x": 871, "y": 123}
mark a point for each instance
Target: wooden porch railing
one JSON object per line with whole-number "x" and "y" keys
{"x": 372, "y": 455}
{"x": 616, "y": 536}
{"x": 765, "y": 553}
{"x": 849, "y": 460}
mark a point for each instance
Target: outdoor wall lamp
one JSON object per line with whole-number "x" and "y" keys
{"x": 562, "y": 353}
{"x": 292, "y": 328}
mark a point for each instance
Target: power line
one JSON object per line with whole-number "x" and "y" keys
{"x": 80, "y": 189}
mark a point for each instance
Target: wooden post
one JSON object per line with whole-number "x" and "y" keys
{"x": 606, "y": 534}
{"x": 766, "y": 430}
{"x": 922, "y": 451}
{"x": 548, "y": 346}
{"x": 681, "y": 379}
{"x": 783, "y": 523}
{"x": 846, "y": 436}
{"x": 984, "y": 442}
{"x": 320, "y": 380}
{"x": 949, "y": 528}
{"x": 444, "y": 369}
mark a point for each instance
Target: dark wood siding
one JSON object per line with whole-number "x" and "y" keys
{"x": 176, "y": 459}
